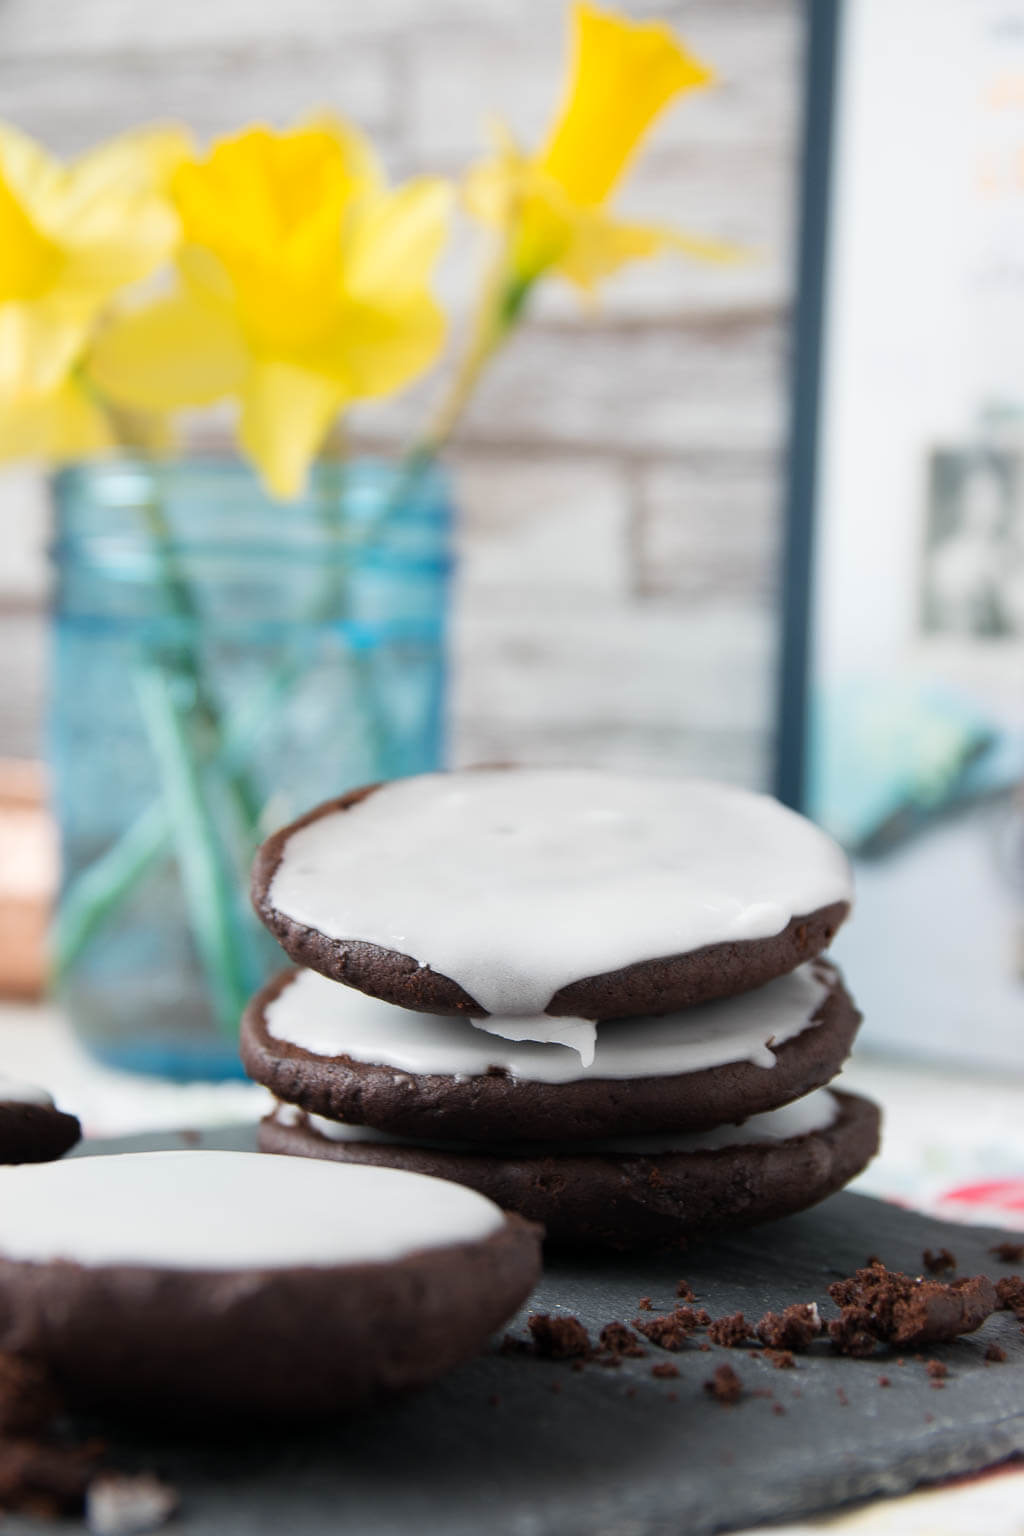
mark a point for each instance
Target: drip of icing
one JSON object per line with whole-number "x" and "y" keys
{"x": 14, "y": 1091}
{"x": 326, "y": 1019}
{"x": 815, "y": 1112}
{"x": 230, "y": 1210}
{"x": 579, "y": 1035}
{"x": 515, "y": 883}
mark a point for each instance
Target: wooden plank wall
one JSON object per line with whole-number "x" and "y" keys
{"x": 619, "y": 473}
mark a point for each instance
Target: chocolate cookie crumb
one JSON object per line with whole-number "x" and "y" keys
{"x": 892, "y": 1308}
{"x": 725, "y": 1386}
{"x": 618, "y": 1341}
{"x": 1010, "y": 1291}
{"x": 883, "y": 1381}
{"x": 673, "y": 1329}
{"x": 782, "y": 1359}
{"x": 1008, "y": 1253}
{"x": 665, "y": 1369}
{"x": 645, "y": 1304}
{"x": 512, "y": 1345}
{"x": 28, "y": 1401}
{"x": 730, "y": 1332}
{"x": 559, "y": 1338}
{"x": 793, "y": 1328}
{"x": 46, "y": 1480}
{"x": 938, "y": 1263}
{"x": 685, "y": 1291}
{"x": 995, "y": 1353}
{"x": 778, "y": 1408}
{"x": 937, "y": 1370}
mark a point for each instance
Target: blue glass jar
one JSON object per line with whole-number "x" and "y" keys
{"x": 221, "y": 662}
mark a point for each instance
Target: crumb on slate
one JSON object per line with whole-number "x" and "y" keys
{"x": 883, "y": 1381}
{"x": 558, "y": 1338}
{"x": 28, "y": 1400}
{"x": 882, "y": 1306}
{"x": 778, "y": 1408}
{"x": 793, "y": 1328}
{"x": 937, "y": 1369}
{"x": 995, "y": 1353}
{"x": 1010, "y": 1291}
{"x": 1009, "y": 1253}
{"x": 725, "y": 1386}
{"x": 938, "y": 1263}
{"x": 685, "y": 1291}
{"x": 664, "y": 1368}
{"x": 673, "y": 1329}
{"x": 645, "y": 1304}
{"x": 782, "y": 1359}
{"x": 46, "y": 1480}
{"x": 731, "y": 1331}
{"x": 511, "y": 1344}
{"x": 617, "y": 1341}
{"x": 844, "y": 1401}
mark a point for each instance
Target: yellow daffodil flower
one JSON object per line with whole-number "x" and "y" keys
{"x": 70, "y": 237}
{"x": 552, "y": 204}
{"x": 303, "y": 285}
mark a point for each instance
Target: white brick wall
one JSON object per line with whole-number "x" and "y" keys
{"x": 618, "y": 476}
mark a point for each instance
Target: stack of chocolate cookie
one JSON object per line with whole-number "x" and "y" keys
{"x": 596, "y": 998}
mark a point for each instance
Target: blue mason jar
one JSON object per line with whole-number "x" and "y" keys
{"x": 221, "y": 662}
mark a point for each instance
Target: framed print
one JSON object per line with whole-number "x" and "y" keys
{"x": 902, "y": 721}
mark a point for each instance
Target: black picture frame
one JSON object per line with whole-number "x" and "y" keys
{"x": 822, "y": 33}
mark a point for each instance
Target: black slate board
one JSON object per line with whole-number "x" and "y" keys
{"x": 523, "y": 1447}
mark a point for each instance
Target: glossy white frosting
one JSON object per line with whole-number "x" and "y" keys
{"x": 514, "y": 883}
{"x": 14, "y": 1091}
{"x": 815, "y": 1112}
{"x": 230, "y": 1210}
{"x": 331, "y": 1020}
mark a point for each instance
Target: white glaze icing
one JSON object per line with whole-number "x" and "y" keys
{"x": 229, "y": 1210}
{"x": 814, "y": 1112}
{"x": 14, "y": 1091}
{"x": 330, "y": 1020}
{"x": 516, "y": 883}
{"x": 579, "y": 1035}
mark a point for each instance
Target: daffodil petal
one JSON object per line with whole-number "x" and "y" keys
{"x": 171, "y": 353}
{"x": 600, "y": 245}
{"x": 395, "y": 241}
{"x": 285, "y": 414}
{"x": 380, "y": 348}
{"x": 623, "y": 75}
{"x": 39, "y": 342}
{"x": 62, "y": 425}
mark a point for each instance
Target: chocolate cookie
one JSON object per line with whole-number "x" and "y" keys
{"x": 197, "y": 1280}
{"x": 32, "y": 1128}
{"x": 562, "y": 892}
{"x": 340, "y": 1054}
{"x": 647, "y": 1197}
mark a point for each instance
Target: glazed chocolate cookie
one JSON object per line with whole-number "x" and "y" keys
{"x": 338, "y": 1053}
{"x": 187, "y": 1281}
{"x": 32, "y": 1128}
{"x": 639, "y": 1193}
{"x": 524, "y": 892}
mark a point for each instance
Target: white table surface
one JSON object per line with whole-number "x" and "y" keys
{"x": 953, "y": 1145}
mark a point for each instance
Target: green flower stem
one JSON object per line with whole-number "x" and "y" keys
{"x": 244, "y": 792}
{"x": 101, "y": 888}
{"x": 209, "y": 889}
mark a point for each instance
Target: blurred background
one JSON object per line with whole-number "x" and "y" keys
{"x": 619, "y": 474}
